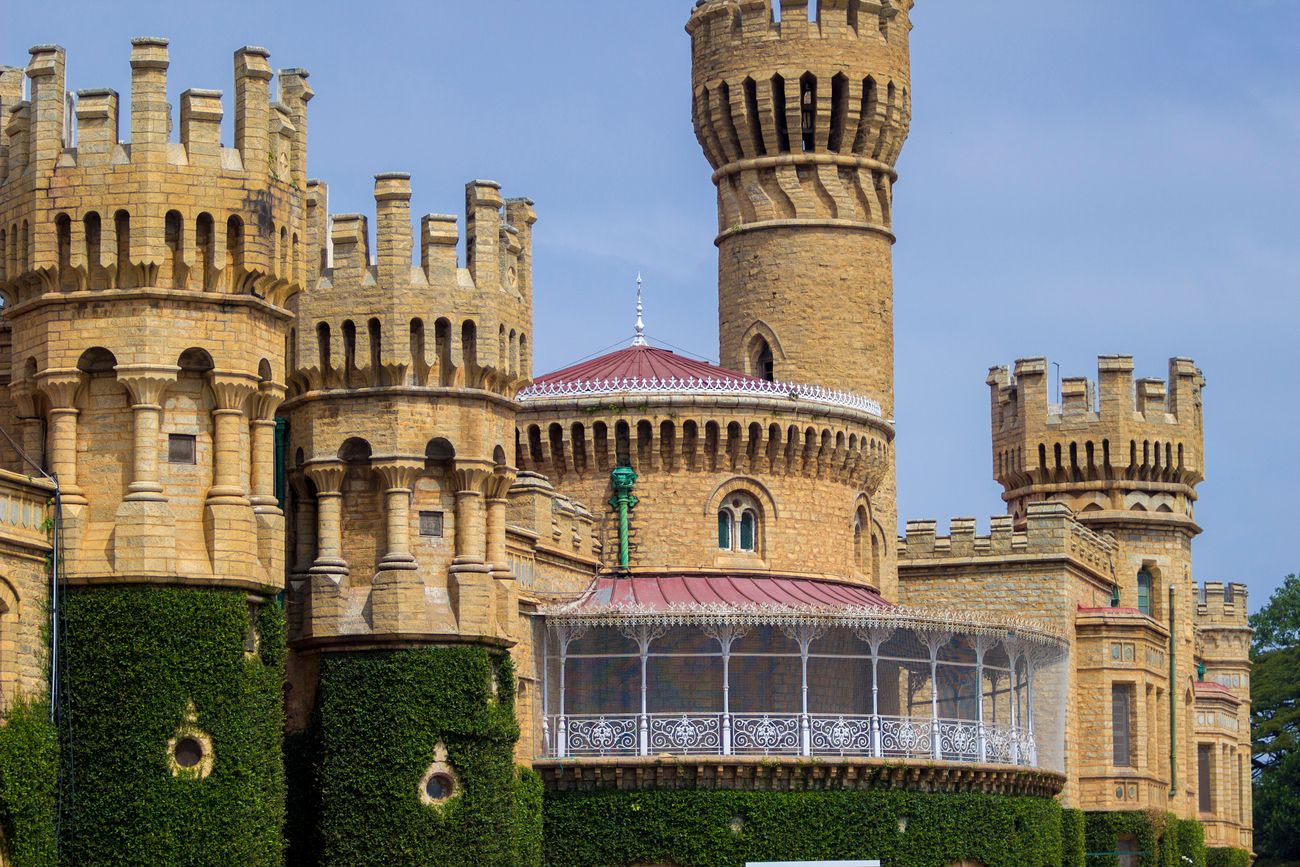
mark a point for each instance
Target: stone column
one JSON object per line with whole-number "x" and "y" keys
{"x": 266, "y": 508}
{"x": 60, "y": 388}
{"x": 144, "y": 539}
{"x": 30, "y": 435}
{"x": 397, "y": 599}
{"x": 471, "y": 584}
{"x": 145, "y": 386}
{"x": 228, "y": 513}
{"x": 329, "y": 572}
{"x": 507, "y": 599}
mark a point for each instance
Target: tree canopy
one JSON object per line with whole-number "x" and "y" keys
{"x": 1275, "y": 724}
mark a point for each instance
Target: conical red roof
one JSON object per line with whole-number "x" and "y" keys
{"x": 644, "y": 363}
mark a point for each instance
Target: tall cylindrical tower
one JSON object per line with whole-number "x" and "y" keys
{"x": 802, "y": 119}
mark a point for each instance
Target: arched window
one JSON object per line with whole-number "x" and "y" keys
{"x": 1144, "y": 591}
{"x": 738, "y": 524}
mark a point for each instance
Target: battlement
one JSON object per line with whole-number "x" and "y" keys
{"x": 151, "y": 212}
{"x": 1050, "y": 531}
{"x": 478, "y": 320}
{"x": 1113, "y": 430}
{"x": 765, "y": 19}
{"x": 1220, "y": 605}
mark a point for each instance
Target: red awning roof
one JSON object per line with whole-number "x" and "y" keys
{"x": 1209, "y": 686}
{"x": 676, "y": 592}
{"x": 641, "y": 363}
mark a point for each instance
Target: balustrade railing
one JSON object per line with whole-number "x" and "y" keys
{"x": 787, "y": 734}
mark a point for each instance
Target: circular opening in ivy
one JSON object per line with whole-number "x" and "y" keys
{"x": 439, "y": 787}
{"x": 188, "y": 752}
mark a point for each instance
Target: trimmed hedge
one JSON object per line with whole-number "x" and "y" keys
{"x": 1163, "y": 839}
{"x": 1072, "y": 848}
{"x": 725, "y": 828}
{"x": 135, "y": 660}
{"x": 29, "y": 779}
{"x": 1226, "y": 856}
{"x": 380, "y": 716}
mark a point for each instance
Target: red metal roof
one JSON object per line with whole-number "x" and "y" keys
{"x": 644, "y": 363}
{"x": 670, "y": 592}
{"x": 1211, "y": 686}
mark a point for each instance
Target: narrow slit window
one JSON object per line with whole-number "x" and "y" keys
{"x": 1144, "y": 592}
{"x": 1121, "y": 723}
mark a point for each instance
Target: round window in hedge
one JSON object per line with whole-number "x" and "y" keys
{"x": 439, "y": 783}
{"x": 188, "y": 752}
{"x": 440, "y": 787}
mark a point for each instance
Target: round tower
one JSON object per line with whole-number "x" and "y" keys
{"x": 403, "y": 605}
{"x": 802, "y": 121}
{"x": 145, "y": 285}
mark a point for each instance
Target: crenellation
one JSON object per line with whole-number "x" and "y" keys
{"x": 393, "y": 227}
{"x": 201, "y": 114}
{"x": 350, "y": 239}
{"x": 1223, "y": 606}
{"x": 150, "y": 112}
{"x": 295, "y": 93}
{"x": 252, "y": 106}
{"x": 483, "y": 225}
{"x": 97, "y": 126}
{"x": 439, "y": 237}
{"x": 46, "y": 70}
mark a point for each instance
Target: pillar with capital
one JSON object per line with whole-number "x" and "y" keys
{"x": 397, "y": 600}
{"x": 473, "y": 593}
{"x": 26, "y": 405}
{"x": 60, "y": 388}
{"x": 228, "y": 512}
{"x": 266, "y": 508}
{"x": 507, "y": 599}
{"x": 329, "y": 571}
{"x": 144, "y": 538}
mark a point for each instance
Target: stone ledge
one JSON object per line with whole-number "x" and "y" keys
{"x": 762, "y": 773}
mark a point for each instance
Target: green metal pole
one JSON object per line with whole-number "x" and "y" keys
{"x": 623, "y": 479}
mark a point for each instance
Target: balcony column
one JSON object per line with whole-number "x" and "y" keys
{"x": 805, "y": 636}
{"x": 1013, "y": 655}
{"x": 875, "y": 636}
{"x": 145, "y": 386}
{"x": 981, "y": 646}
{"x": 60, "y": 388}
{"x": 934, "y": 641}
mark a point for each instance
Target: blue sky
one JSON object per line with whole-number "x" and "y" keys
{"x": 1080, "y": 179}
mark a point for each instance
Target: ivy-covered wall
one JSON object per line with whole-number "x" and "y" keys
{"x": 1226, "y": 856}
{"x": 29, "y": 775}
{"x": 726, "y": 828}
{"x": 380, "y": 718}
{"x": 136, "y": 659}
{"x": 1163, "y": 839}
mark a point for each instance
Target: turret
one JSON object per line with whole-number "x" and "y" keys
{"x": 1115, "y": 445}
{"x": 402, "y": 405}
{"x": 145, "y": 286}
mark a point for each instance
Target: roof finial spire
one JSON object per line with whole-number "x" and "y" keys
{"x": 639, "y": 340}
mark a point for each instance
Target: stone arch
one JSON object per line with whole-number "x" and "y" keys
{"x": 760, "y": 334}
{"x": 744, "y": 484}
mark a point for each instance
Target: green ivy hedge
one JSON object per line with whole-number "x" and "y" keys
{"x": 727, "y": 828}
{"x": 1072, "y": 839}
{"x": 380, "y": 716}
{"x": 1163, "y": 839}
{"x": 1226, "y": 856}
{"x": 135, "y": 660}
{"x": 29, "y": 778}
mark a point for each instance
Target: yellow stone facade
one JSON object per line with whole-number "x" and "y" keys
{"x": 167, "y": 301}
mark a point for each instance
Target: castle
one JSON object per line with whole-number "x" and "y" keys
{"x": 300, "y": 547}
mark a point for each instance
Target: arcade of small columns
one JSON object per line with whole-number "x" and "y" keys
{"x": 480, "y": 489}
{"x": 239, "y": 398}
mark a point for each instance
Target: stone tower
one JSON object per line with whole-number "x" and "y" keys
{"x": 802, "y": 117}
{"x": 401, "y": 440}
{"x": 1126, "y": 457}
{"x": 145, "y": 285}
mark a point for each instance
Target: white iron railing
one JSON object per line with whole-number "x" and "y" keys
{"x": 787, "y": 734}
{"x": 692, "y": 385}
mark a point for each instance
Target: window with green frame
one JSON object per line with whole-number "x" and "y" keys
{"x": 1144, "y": 591}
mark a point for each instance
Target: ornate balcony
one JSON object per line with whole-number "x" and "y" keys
{"x": 854, "y": 678}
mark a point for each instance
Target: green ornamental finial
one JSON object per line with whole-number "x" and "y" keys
{"x": 623, "y": 479}
{"x": 1200, "y": 671}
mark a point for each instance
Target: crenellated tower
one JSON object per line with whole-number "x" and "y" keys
{"x": 802, "y": 117}
{"x": 1126, "y": 457}
{"x": 145, "y": 284}
{"x": 802, "y": 120}
{"x": 401, "y": 458}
